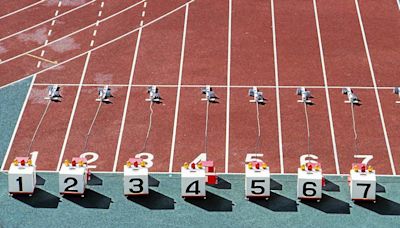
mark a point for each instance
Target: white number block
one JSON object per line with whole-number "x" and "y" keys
{"x": 362, "y": 183}
{"x": 193, "y": 181}
{"x": 136, "y": 177}
{"x": 22, "y": 176}
{"x": 73, "y": 177}
{"x": 309, "y": 181}
{"x": 257, "y": 180}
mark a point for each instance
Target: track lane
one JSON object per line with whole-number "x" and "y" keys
{"x": 297, "y": 44}
{"x": 48, "y": 140}
{"x": 243, "y": 130}
{"x": 369, "y": 130}
{"x": 252, "y": 51}
{"x": 294, "y": 130}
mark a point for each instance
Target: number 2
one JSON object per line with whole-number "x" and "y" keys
{"x": 74, "y": 183}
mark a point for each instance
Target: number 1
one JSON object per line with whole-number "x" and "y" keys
{"x": 19, "y": 179}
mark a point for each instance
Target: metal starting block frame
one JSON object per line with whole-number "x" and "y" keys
{"x": 53, "y": 93}
{"x": 257, "y": 95}
{"x": 351, "y": 97}
{"x": 396, "y": 91}
{"x": 104, "y": 94}
{"x": 154, "y": 95}
{"x": 305, "y": 95}
{"x": 210, "y": 94}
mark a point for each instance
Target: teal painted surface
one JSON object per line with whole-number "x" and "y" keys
{"x": 12, "y": 98}
{"x": 167, "y": 209}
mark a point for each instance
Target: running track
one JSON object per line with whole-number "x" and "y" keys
{"x": 230, "y": 45}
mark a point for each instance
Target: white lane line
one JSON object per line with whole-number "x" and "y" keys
{"x": 100, "y": 12}
{"x": 22, "y": 9}
{"x": 398, "y": 3}
{"x": 378, "y": 100}
{"x": 128, "y": 93}
{"x": 178, "y": 91}
{"x": 228, "y": 89}
{"x": 18, "y": 122}
{"x": 81, "y": 29}
{"x": 143, "y": 13}
{"x": 91, "y": 43}
{"x": 56, "y": 13}
{"x": 73, "y": 111}
{"x": 39, "y": 63}
{"x": 218, "y": 86}
{"x": 145, "y": 4}
{"x": 328, "y": 101}
{"x": 42, "y": 53}
{"x": 111, "y": 41}
{"x": 59, "y": 3}
{"x": 95, "y": 32}
{"x": 53, "y": 22}
{"x": 49, "y": 33}
{"x": 46, "y": 21}
{"x": 46, "y": 42}
{"x": 102, "y": 4}
{"x": 278, "y": 105}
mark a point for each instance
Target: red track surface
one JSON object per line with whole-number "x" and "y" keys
{"x": 205, "y": 62}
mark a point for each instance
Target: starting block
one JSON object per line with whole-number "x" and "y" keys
{"x": 258, "y": 96}
{"x": 310, "y": 181}
{"x": 257, "y": 180}
{"x": 362, "y": 181}
{"x": 53, "y": 93}
{"x": 210, "y": 94}
{"x": 104, "y": 94}
{"x": 22, "y": 176}
{"x": 73, "y": 177}
{"x": 136, "y": 177}
{"x": 305, "y": 95}
{"x": 351, "y": 97}
{"x": 396, "y": 91}
{"x": 154, "y": 95}
{"x": 193, "y": 180}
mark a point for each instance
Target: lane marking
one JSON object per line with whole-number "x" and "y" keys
{"x": 398, "y": 3}
{"x": 46, "y": 21}
{"x": 145, "y": 4}
{"x": 143, "y": 13}
{"x": 102, "y": 4}
{"x": 109, "y": 42}
{"x": 46, "y": 42}
{"x": 128, "y": 93}
{"x": 39, "y": 63}
{"x": 228, "y": 90}
{"x": 53, "y": 22}
{"x": 71, "y": 119}
{"x": 49, "y": 33}
{"x": 328, "y": 101}
{"x": 18, "y": 122}
{"x": 76, "y": 31}
{"x": 59, "y": 3}
{"x": 95, "y": 32}
{"x": 378, "y": 100}
{"x": 42, "y": 53}
{"x": 91, "y": 43}
{"x": 178, "y": 91}
{"x": 56, "y": 14}
{"x": 42, "y": 59}
{"x": 278, "y": 108}
{"x": 100, "y": 12}
{"x": 22, "y": 9}
{"x": 219, "y": 86}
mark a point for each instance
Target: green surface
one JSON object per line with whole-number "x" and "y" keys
{"x": 12, "y": 98}
{"x": 105, "y": 206}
